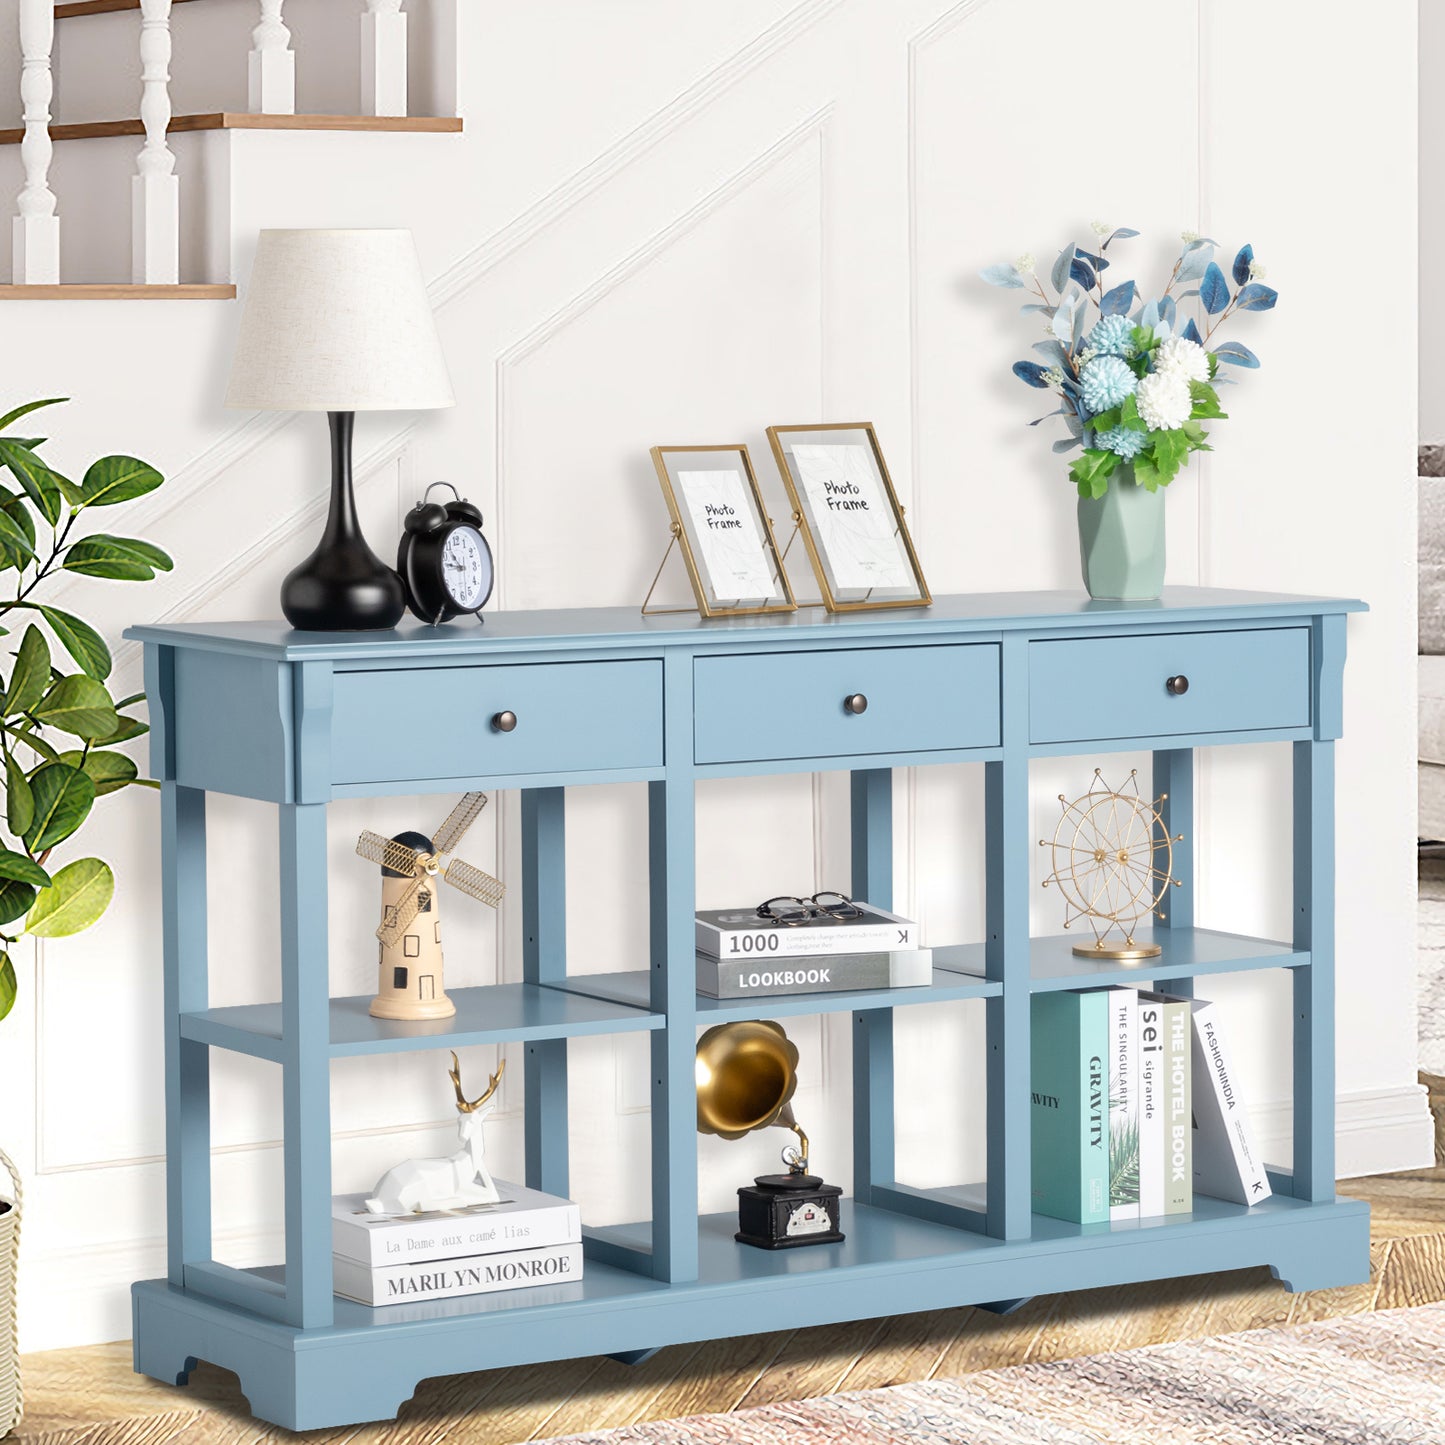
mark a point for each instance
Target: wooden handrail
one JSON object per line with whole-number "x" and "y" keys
{"x": 98, "y": 7}
{"x": 244, "y": 120}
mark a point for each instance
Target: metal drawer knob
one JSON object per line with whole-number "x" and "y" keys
{"x": 504, "y": 722}
{"x": 855, "y": 703}
{"x": 1178, "y": 686}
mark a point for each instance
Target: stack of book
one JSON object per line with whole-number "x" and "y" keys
{"x": 740, "y": 955}
{"x": 526, "y": 1239}
{"x": 1135, "y": 1107}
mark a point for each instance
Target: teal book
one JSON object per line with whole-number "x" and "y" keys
{"x": 1069, "y": 1111}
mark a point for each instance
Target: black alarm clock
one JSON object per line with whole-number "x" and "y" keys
{"x": 444, "y": 562}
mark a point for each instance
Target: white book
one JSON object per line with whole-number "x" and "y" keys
{"x": 1153, "y": 1134}
{"x": 1123, "y": 1103}
{"x": 749, "y": 978}
{"x": 446, "y": 1278}
{"x": 738, "y": 933}
{"x": 523, "y": 1219}
{"x": 1226, "y": 1162}
{"x": 1178, "y": 1094}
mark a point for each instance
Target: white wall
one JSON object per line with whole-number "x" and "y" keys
{"x": 1432, "y": 220}
{"x": 680, "y": 224}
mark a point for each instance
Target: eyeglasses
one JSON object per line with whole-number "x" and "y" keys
{"x": 793, "y": 911}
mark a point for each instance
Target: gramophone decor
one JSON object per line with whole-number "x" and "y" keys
{"x": 746, "y": 1075}
{"x": 411, "y": 983}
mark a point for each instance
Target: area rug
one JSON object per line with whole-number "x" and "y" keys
{"x": 1374, "y": 1379}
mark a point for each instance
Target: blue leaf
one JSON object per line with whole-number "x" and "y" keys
{"x": 1121, "y": 233}
{"x": 1255, "y": 297}
{"x": 1062, "y": 324}
{"x": 1060, "y": 273}
{"x": 1067, "y": 444}
{"x": 1002, "y": 274}
{"x": 1150, "y": 316}
{"x": 1054, "y": 350}
{"x": 1097, "y": 262}
{"x": 1081, "y": 321}
{"x": 1118, "y": 300}
{"x": 1031, "y": 372}
{"x": 1082, "y": 272}
{"x": 1236, "y": 354}
{"x": 1057, "y": 411}
{"x": 1241, "y": 264}
{"x": 1214, "y": 290}
{"x": 1191, "y": 333}
{"x": 1036, "y": 306}
{"x": 1168, "y": 312}
{"x": 1193, "y": 263}
{"x": 1199, "y": 241}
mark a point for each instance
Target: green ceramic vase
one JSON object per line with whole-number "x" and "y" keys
{"x": 1121, "y": 540}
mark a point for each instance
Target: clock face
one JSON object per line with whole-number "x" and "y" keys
{"x": 466, "y": 568}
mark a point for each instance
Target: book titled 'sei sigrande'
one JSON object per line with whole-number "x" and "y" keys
{"x": 730, "y": 933}
{"x": 522, "y": 1219}
{"x": 446, "y": 1278}
{"x": 831, "y": 973}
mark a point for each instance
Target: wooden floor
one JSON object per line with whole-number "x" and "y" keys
{"x": 91, "y": 1397}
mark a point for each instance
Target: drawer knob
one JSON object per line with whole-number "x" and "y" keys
{"x": 1177, "y": 685}
{"x": 504, "y": 722}
{"x": 855, "y": 703}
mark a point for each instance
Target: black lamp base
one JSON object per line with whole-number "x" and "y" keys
{"x": 343, "y": 586}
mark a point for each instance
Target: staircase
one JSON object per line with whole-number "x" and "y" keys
{"x": 100, "y": 217}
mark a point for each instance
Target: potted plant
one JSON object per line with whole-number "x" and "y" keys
{"x": 1136, "y": 381}
{"x": 60, "y": 730}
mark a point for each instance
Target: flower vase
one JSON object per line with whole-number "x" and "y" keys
{"x": 1121, "y": 540}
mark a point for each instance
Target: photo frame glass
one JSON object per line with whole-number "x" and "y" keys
{"x": 857, "y": 538}
{"x": 723, "y": 528}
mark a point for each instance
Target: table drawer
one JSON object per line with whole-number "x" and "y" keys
{"x": 571, "y": 717}
{"x": 1119, "y": 687}
{"x": 769, "y": 706}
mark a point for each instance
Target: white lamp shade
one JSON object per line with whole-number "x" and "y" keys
{"x": 338, "y": 321}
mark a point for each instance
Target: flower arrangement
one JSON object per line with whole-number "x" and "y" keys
{"x": 1135, "y": 385}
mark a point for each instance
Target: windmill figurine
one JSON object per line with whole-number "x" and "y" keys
{"x": 411, "y": 984}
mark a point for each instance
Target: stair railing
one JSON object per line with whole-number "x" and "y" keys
{"x": 271, "y": 87}
{"x": 36, "y": 228}
{"x": 383, "y": 58}
{"x": 155, "y": 188}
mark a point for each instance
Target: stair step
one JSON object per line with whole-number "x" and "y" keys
{"x": 244, "y": 120}
{"x": 116, "y": 291}
{"x": 98, "y": 7}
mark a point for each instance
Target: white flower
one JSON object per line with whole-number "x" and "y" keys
{"x": 1054, "y": 376}
{"x": 1256, "y": 271}
{"x": 1025, "y": 264}
{"x": 1101, "y": 228}
{"x": 1186, "y": 358}
{"x": 1189, "y": 237}
{"x": 1164, "y": 401}
{"x": 1085, "y": 356}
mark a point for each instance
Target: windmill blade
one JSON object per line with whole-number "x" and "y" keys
{"x": 474, "y": 883}
{"x": 407, "y": 908}
{"x": 458, "y": 821}
{"x": 387, "y": 852}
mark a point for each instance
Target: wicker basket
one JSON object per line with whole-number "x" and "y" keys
{"x": 10, "y": 1396}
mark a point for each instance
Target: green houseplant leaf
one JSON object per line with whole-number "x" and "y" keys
{"x": 64, "y": 797}
{"x": 80, "y": 893}
{"x": 14, "y": 416}
{"x": 117, "y": 479}
{"x": 81, "y": 641}
{"x": 19, "y": 800}
{"x": 78, "y": 705}
{"x": 109, "y": 771}
{"x": 7, "y": 984}
{"x": 34, "y": 477}
{"x": 31, "y": 675}
{"x": 22, "y": 869}
{"x": 15, "y": 899}
{"x": 125, "y": 559}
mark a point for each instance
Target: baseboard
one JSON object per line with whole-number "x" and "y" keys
{"x": 1377, "y": 1131}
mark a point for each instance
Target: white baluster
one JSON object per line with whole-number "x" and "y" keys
{"x": 272, "y": 85}
{"x": 155, "y": 189}
{"x": 383, "y": 58}
{"x": 37, "y": 227}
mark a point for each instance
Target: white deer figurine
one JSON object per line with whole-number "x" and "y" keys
{"x": 453, "y": 1182}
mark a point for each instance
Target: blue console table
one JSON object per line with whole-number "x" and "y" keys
{"x": 606, "y": 696}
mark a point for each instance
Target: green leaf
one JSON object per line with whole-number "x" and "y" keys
{"x": 15, "y": 899}
{"x": 81, "y": 641}
{"x": 63, "y": 798}
{"x": 22, "y": 869}
{"x": 78, "y": 705}
{"x": 32, "y": 739}
{"x": 14, "y": 416}
{"x": 130, "y": 701}
{"x": 13, "y": 537}
{"x": 117, "y": 479}
{"x": 1170, "y": 450}
{"x": 18, "y": 510}
{"x": 129, "y": 728}
{"x": 7, "y": 985}
{"x": 80, "y": 893}
{"x": 1197, "y": 436}
{"x": 1091, "y": 471}
{"x": 110, "y": 772}
{"x": 34, "y": 478}
{"x": 32, "y": 673}
{"x": 1129, "y": 414}
{"x": 19, "y": 800}
{"x": 1206, "y": 401}
{"x": 1146, "y": 472}
{"x": 125, "y": 559}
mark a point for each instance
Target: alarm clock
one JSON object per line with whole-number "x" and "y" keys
{"x": 444, "y": 562}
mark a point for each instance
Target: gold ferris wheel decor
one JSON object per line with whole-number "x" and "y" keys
{"x": 1113, "y": 862}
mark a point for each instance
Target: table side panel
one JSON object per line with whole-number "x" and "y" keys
{"x": 233, "y": 725}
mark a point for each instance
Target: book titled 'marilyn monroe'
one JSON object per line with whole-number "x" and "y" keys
{"x": 833, "y": 973}
{"x": 445, "y": 1278}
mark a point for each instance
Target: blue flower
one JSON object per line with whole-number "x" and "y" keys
{"x": 1105, "y": 382}
{"x": 1121, "y": 441}
{"x": 1113, "y": 336}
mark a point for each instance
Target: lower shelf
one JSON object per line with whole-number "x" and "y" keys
{"x": 369, "y": 1362}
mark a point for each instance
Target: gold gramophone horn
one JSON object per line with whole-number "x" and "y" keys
{"x": 746, "y": 1075}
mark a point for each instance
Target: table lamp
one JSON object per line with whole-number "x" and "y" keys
{"x": 338, "y": 321}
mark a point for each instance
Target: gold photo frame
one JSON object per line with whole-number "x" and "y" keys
{"x": 722, "y": 528}
{"x": 850, "y": 517}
